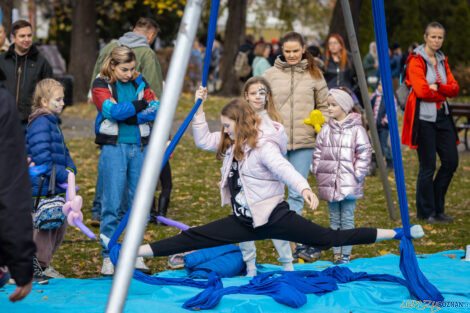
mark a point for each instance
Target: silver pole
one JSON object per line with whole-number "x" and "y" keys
{"x": 367, "y": 106}
{"x": 153, "y": 160}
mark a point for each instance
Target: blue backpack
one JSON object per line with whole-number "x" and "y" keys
{"x": 47, "y": 212}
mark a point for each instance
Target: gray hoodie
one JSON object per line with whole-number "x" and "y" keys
{"x": 428, "y": 110}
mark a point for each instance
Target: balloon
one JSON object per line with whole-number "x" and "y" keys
{"x": 73, "y": 206}
{"x": 37, "y": 170}
{"x": 315, "y": 119}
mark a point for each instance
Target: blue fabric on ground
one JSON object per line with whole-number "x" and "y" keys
{"x": 445, "y": 270}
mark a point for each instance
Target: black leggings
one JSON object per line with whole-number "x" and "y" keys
{"x": 283, "y": 224}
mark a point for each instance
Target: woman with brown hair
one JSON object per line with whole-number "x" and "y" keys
{"x": 339, "y": 69}
{"x": 260, "y": 62}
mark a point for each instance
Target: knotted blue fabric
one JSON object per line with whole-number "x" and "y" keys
{"x": 225, "y": 261}
{"x": 417, "y": 283}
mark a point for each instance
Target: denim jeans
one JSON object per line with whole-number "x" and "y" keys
{"x": 248, "y": 250}
{"x": 301, "y": 160}
{"x": 97, "y": 206}
{"x": 119, "y": 165}
{"x": 386, "y": 150}
{"x": 342, "y": 217}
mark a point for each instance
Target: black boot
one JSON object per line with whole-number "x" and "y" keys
{"x": 153, "y": 212}
{"x": 162, "y": 208}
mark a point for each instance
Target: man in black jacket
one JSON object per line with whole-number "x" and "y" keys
{"x": 23, "y": 67}
{"x": 16, "y": 236}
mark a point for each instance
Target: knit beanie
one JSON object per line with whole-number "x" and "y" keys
{"x": 344, "y": 100}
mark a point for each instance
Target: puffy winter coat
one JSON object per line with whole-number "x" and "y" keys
{"x": 46, "y": 145}
{"x": 341, "y": 159}
{"x": 110, "y": 114}
{"x": 295, "y": 95}
{"x": 263, "y": 170}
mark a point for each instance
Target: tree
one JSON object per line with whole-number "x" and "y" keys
{"x": 459, "y": 43}
{"x": 7, "y": 7}
{"x": 315, "y": 14}
{"x": 410, "y": 29}
{"x": 337, "y": 24}
{"x": 83, "y": 50}
{"x": 234, "y": 35}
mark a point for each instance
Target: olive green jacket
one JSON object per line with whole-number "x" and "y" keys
{"x": 146, "y": 60}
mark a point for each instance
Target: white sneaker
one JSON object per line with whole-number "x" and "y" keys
{"x": 108, "y": 268}
{"x": 140, "y": 265}
{"x": 51, "y": 272}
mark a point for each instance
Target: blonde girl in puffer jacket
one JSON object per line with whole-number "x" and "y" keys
{"x": 340, "y": 163}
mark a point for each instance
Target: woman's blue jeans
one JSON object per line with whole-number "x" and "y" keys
{"x": 119, "y": 164}
{"x": 301, "y": 160}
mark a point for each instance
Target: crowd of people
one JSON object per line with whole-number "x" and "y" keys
{"x": 264, "y": 145}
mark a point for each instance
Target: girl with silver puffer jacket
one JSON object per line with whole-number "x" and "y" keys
{"x": 340, "y": 163}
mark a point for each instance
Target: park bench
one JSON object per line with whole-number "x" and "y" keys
{"x": 462, "y": 110}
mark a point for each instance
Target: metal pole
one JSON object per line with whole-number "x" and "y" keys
{"x": 367, "y": 106}
{"x": 154, "y": 156}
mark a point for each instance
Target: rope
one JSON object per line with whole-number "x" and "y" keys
{"x": 417, "y": 283}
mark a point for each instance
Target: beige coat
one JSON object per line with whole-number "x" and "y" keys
{"x": 295, "y": 95}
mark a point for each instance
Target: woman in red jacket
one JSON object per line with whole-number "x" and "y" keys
{"x": 428, "y": 125}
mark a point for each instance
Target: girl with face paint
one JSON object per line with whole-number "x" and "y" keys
{"x": 254, "y": 173}
{"x": 46, "y": 146}
{"x": 257, "y": 93}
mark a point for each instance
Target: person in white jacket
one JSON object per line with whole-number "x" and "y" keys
{"x": 253, "y": 175}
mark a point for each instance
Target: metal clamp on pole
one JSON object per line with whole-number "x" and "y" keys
{"x": 152, "y": 164}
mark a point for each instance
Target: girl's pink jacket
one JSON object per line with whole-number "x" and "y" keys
{"x": 263, "y": 170}
{"x": 341, "y": 159}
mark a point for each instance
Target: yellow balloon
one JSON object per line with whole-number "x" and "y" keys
{"x": 315, "y": 119}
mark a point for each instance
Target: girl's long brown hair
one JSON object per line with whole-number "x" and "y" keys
{"x": 269, "y": 106}
{"x": 119, "y": 55}
{"x": 344, "y": 54}
{"x": 246, "y": 128}
{"x": 311, "y": 67}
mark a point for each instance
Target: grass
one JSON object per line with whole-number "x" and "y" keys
{"x": 195, "y": 200}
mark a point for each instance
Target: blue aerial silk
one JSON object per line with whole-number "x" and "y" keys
{"x": 290, "y": 288}
{"x": 416, "y": 282}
